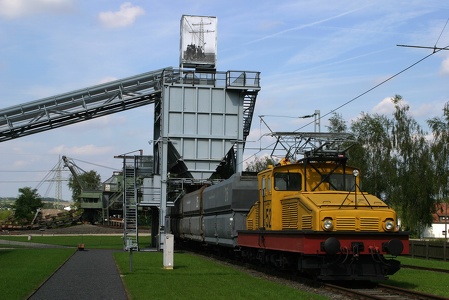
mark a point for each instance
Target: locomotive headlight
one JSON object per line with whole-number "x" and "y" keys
{"x": 328, "y": 224}
{"x": 389, "y": 225}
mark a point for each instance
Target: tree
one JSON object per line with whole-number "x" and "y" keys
{"x": 5, "y": 214}
{"x": 26, "y": 205}
{"x": 89, "y": 181}
{"x": 372, "y": 153}
{"x": 396, "y": 163}
{"x": 259, "y": 164}
{"x": 440, "y": 153}
{"x": 412, "y": 190}
{"x": 337, "y": 124}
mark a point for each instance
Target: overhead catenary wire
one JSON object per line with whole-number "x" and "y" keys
{"x": 441, "y": 33}
{"x": 97, "y": 165}
{"x": 49, "y": 177}
{"x": 23, "y": 181}
{"x": 436, "y": 50}
{"x": 378, "y": 85}
{"x": 27, "y": 171}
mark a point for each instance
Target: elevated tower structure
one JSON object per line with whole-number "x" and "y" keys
{"x": 202, "y": 118}
{"x": 200, "y": 129}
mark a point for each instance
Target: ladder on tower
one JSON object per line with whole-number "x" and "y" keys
{"x": 249, "y": 83}
{"x": 249, "y": 102}
{"x": 130, "y": 205}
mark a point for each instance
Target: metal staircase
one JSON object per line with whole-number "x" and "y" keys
{"x": 130, "y": 204}
{"x": 249, "y": 103}
{"x": 249, "y": 83}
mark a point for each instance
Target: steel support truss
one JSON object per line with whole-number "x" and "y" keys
{"x": 81, "y": 105}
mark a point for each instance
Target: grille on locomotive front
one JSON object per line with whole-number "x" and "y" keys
{"x": 353, "y": 223}
{"x": 306, "y": 222}
{"x": 289, "y": 214}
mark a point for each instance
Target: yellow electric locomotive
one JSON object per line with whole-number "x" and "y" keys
{"x": 312, "y": 216}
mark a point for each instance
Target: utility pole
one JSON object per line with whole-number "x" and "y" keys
{"x": 58, "y": 179}
{"x": 317, "y": 123}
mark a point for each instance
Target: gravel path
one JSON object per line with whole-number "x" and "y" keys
{"x": 90, "y": 274}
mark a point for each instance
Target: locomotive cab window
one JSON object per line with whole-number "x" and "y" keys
{"x": 340, "y": 182}
{"x": 287, "y": 181}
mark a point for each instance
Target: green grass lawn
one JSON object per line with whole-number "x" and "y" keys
{"x": 419, "y": 262}
{"x": 423, "y": 281}
{"x": 24, "y": 270}
{"x": 194, "y": 277}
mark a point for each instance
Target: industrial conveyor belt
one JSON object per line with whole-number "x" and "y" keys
{"x": 80, "y": 105}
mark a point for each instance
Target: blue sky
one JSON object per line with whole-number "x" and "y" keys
{"x": 312, "y": 55}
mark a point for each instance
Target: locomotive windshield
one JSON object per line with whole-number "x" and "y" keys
{"x": 287, "y": 181}
{"x": 340, "y": 182}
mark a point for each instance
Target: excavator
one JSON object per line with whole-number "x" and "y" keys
{"x": 101, "y": 203}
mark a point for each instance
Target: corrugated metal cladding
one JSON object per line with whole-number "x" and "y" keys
{"x": 203, "y": 124}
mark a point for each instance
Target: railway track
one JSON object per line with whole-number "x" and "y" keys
{"x": 425, "y": 269}
{"x": 381, "y": 292}
{"x": 351, "y": 290}
{"x": 335, "y": 291}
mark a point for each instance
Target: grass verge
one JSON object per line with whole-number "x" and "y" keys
{"x": 89, "y": 241}
{"x": 424, "y": 281}
{"x": 24, "y": 270}
{"x": 428, "y": 263}
{"x": 194, "y": 277}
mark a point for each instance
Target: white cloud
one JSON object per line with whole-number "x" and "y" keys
{"x": 384, "y": 107}
{"x": 126, "y": 16}
{"x": 428, "y": 110}
{"x": 20, "y": 8}
{"x": 445, "y": 66}
{"x": 19, "y": 164}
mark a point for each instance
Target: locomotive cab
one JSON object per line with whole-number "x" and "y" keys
{"x": 313, "y": 197}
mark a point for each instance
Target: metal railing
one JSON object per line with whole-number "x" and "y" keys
{"x": 228, "y": 79}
